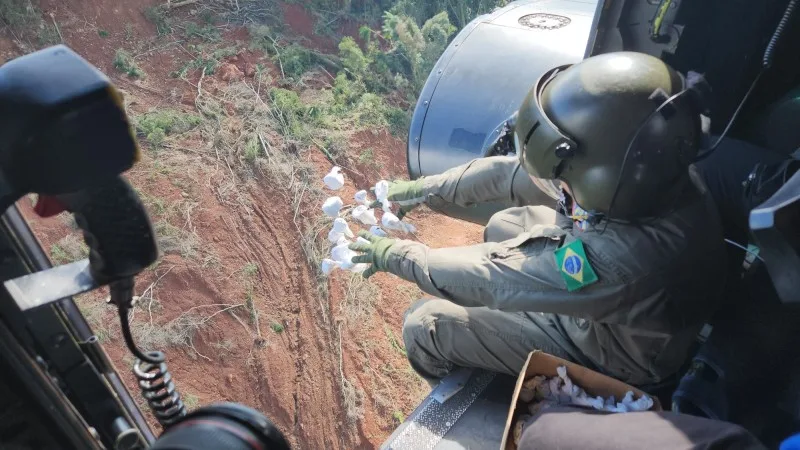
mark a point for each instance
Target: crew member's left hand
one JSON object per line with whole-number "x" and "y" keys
{"x": 376, "y": 253}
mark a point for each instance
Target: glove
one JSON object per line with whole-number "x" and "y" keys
{"x": 407, "y": 194}
{"x": 376, "y": 253}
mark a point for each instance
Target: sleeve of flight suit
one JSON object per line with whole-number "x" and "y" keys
{"x": 493, "y": 179}
{"x": 519, "y": 274}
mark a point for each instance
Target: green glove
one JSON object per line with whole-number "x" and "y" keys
{"x": 407, "y": 194}
{"x": 376, "y": 253}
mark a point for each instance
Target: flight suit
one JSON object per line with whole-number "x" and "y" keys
{"x": 658, "y": 281}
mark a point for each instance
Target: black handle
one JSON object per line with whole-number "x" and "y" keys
{"x": 116, "y": 228}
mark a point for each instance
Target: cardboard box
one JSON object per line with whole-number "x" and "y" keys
{"x": 594, "y": 383}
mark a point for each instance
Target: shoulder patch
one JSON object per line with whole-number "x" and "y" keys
{"x": 574, "y": 266}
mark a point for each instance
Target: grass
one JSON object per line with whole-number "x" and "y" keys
{"x": 19, "y": 13}
{"x": 411, "y": 292}
{"x": 250, "y": 269}
{"x": 352, "y": 399}
{"x": 190, "y": 400}
{"x": 206, "y": 61}
{"x": 69, "y": 249}
{"x": 175, "y": 333}
{"x": 103, "y": 33}
{"x": 207, "y": 32}
{"x": 124, "y": 62}
{"x": 172, "y": 239}
{"x": 48, "y": 35}
{"x": 250, "y": 304}
{"x": 157, "y": 15}
{"x": 360, "y": 296}
{"x": 394, "y": 343}
{"x": 367, "y": 156}
{"x": 99, "y": 315}
{"x": 156, "y": 125}
{"x": 277, "y": 327}
{"x": 226, "y": 345}
{"x": 252, "y": 149}
{"x": 398, "y": 417}
{"x": 69, "y": 220}
{"x": 154, "y": 205}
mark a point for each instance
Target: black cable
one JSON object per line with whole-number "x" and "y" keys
{"x": 766, "y": 63}
{"x": 122, "y": 296}
{"x": 151, "y": 357}
{"x": 711, "y": 149}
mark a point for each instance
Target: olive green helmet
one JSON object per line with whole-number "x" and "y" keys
{"x": 616, "y": 128}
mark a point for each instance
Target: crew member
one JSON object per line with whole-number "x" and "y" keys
{"x": 619, "y": 277}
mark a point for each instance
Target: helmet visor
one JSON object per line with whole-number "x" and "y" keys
{"x": 536, "y": 143}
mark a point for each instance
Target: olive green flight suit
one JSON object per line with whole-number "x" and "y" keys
{"x": 659, "y": 281}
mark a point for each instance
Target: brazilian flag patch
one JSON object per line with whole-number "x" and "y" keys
{"x": 574, "y": 266}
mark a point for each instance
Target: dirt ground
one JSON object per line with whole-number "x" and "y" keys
{"x": 329, "y": 370}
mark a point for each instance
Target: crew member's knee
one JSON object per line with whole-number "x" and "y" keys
{"x": 419, "y": 337}
{"x": 502, "y": 226}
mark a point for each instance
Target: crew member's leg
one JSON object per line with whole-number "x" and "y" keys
{"x": 510, "y": 222}
{"x": 563, "y": 427}
{"x": 441, "y": 336}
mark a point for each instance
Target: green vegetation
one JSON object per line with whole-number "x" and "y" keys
{"x": 19, "y": 13}
{"x": 156, "y": 125}
{"x": 398, "y": 417}
{"x": 207, "y": 32}
{"x": 69, "y": 249}
{"x": 394, "y": 342}
{"x": 276, "y": 327}
{"x": 48, "y": 35}
{"x": 250, "y": 269}
{"x": 124, "y": 62}
{"x": 157, "y": 15}
{"x": 190, "y": 400}
{"x": 367, "y": 156}
{"x": 102, "y": 33}
{"x": 172, "y": 239}
{"x": 206, "y": 60}
{"x": 99, "y": 315}
{"x": 292, "y": 59}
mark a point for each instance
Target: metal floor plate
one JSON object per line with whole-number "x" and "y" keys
{"x": 472, "y": 418}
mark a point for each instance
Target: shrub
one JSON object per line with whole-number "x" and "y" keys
{"x": 157, "y": 15}
{"x": 207, "y": 32}
{"x": 155, "y": 126}
{"x": 353, "y": 58}
{"x": 295, "y": 60}
{"x": 289, "y": 111}
{"x": 125, "y": 63}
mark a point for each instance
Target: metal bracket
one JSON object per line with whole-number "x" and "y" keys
{"x": 50, "y": 285}
{"x": 451, "y": 385}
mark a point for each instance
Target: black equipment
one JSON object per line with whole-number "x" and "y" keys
{"x": 65, "y": 136}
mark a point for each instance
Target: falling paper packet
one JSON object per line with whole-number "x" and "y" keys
{"x": 331, "y": 206}
{"x": 334, "y": 236}
{"x": 382, "y": 190}
{"x": 328, "y": 265}
{"x": 391, "y": 222}
{"x": 362, "y": 198}
{"x": 343, "y": 255}
{"x": 340, "y": 226}
{"x": 360, "y": 267}
{"x": 334, "y": 179}
{"x": 365, "y": 215}
{"x": 377, "y": 231}
{"x": 382, "y": 194}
